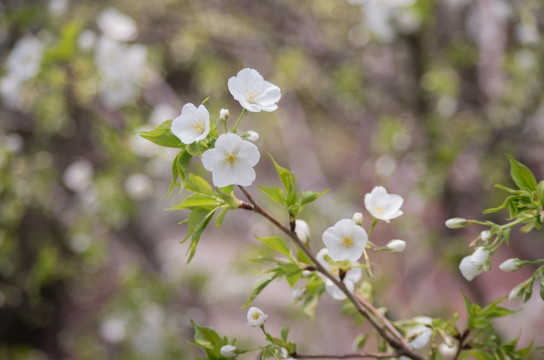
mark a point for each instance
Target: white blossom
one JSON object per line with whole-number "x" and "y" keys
{"x": 302, "y": 230}
{"x": 86, "y": 40}
{"x": 456, "y": 223}
{"x": 223, "y": 114}
{"x": 24, "y": 61}
{"x": 228, "y": 350}
{"x": 420, "y": 336}
{"x": 345, "y": 240}
{"x": 116, "y": 25}
{"x": 231, "y": 161}
{"x": 253, "y": 92}
{"x": 298, "y": 293}
{"x": 485, "y": 235}
{"x": 78, "y": 175}
{"x": 358, "y": 218}
{"x": 12, "y": 91}
{"x": 468, "y": 269}
{"x": 510, "y": 265}
{"x": 396, "y": 245}
{"x": 256, "y": 317}
{"x": 138, "y": 186}
{"x": 351, "y": 277}
{"x": 251, "y": 136}
{"x": 480, "y": 256}
{"x": 383, "y": 206}
{"x": 192, "y": 125}
{"x": 114, "y": 329}
{"x": 447, "y": 350}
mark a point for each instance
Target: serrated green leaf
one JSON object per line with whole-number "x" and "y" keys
{"x": 522, "y": 176}
{"x": 199, "y": 201}
{"x": 198, "y": 221}
{"x": 258, "y": 287}
{"x": 198, "y": 185}
{"x": 284, "y": 332}
{"x": 276, "y": 243}
{"x": 309, "y": 196}
{"x": 163, "y": 136}
{"x": 194, "y": 149}
{"x": 219, "y": 219}
{"x": 275, "y": 193}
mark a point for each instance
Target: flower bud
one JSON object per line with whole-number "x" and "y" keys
{"x": 447, "y": 351}
{"x": 485, "y": 235}
{"x": 307, "y": 273}
{"x": 252, "y": 136}
{"x": 510, "y": 265}
{"x": 516, "y": 292}
{"x": 357, "y": 218}
{"x": 303, "y": 231}
{"x": 228, "y": 351}
{"x": 396, "y": 245}
{"x": 256, "y": 317}
{"x": 298, "y": 293}
{"x": 456, "y": 223}
{"x": 223, "y": 114}
{"x": 480, "y": 256}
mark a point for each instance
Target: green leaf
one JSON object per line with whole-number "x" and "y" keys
{"x": 66, "y": 46}
{"x": 505, "y": 204}
{"x": 179, "y": 169}
{"x": 284, "y": 332}
{"x": 275, "y": 193}
{"x": 207, "y": 339}
{"x": 309, "y": 196}
{"x": 258, "y": 287}
{"x": 277, "y": 244}
{"x": 199, "y": 201}
{"x": 542, "y": 287}
{"x": 163, "y": 136}
{"x": 540, "y": 191}
{"x": 198, "y": 221}
{"x": 198, "y": 185}
{"x": 522, "y": 176}
{"x": 219, "y": 219}
{"x": 285, "y": 176}
{"x": 302, "y": 257}
{"x": 294, "y": 277}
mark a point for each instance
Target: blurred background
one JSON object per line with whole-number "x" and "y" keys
{"x": 422, "y": 97}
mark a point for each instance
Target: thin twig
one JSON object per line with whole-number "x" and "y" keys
{"x": 362, "y": 355}
{"x": 398, "y": 344}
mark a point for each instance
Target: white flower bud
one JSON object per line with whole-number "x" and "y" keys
{"x": 302, "y": 230}
{"x": 447, "y": 351}
{"x": 298, "y": 293}
{"x": 396, "y": 245}
{"x": 228, "y": 350}
{"x": 252, "y": 136}
{"x": 306, "y": 273}
{"x": 485, "y": 235}
{"x": 510, "y": 265}
{"x": 256, "y": 317}
{"x": 515, "y": 292}
{"x": 480, "y": 256}
{"x": 469, "y": 270}
{"x": 421, "y": 335}
{"x": 456, "y": 223}
{"x": 223, "y": 114}
{"x": 357, "y": 218}
{"x": 423, "y": 320}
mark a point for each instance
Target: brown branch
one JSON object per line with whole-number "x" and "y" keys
{"x": 398, "y": 344}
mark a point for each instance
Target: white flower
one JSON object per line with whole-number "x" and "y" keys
{"x": 113, "y": 329}
{"x": 358, "y": 218}
{"x": 456, "y": 223}
{"x": 192, "y": 125}
{"x": 302, "y": 230}
{"x": 256, "y": 317}
{"x": 480, "y": 256}
{"x": 468, "y": 269}
{"x": 510, "y": 265}
{"x": 161, "y": 113}
{"x": 228, "y": 350}
{"x": 138, "y": 186}
{"x": 223, "y": 114}
{"x": 383, "y": 206}
{"x": 447, "y": 351}
{"x": 485, "y": 235}
{"x": 117, "y": 26}
{"x": 396, "y": 245}
{"x": 86, "y": 40}
{"x": 251, "y": 136}
{"x": 24, "y": 61}
{"x": 345, "y": 240}
{"x": 231, "y": 161}
{"x": 420, "y": 335}
{"x": 78, "y": 175}
{"x": 253, "y": 92}
{"x": 351, "y": 277}
{"x": 12, "y": 91}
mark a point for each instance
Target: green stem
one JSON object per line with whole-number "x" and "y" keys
{"x": 238, "y": 122}
{"x": 374, "y": 222}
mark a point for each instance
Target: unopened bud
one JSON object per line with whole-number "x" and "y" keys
{"x": 298, "y": 293}
{"x": 480, "y": 256}
{"x": 485, "y": 235}
{"x": 228, "y": 350}
{"x": 357, "y": 218}
{"x": 252, "y": 136}
{"x": 456, "y": 223}
{"x": 223, "y": 114}
{"x": 447, "y": 351}
{"x": 396, "y": 245}
{"x": 510, "y": 265}
{"x": 516, "y": 291}
{"x": 303, "y": 231}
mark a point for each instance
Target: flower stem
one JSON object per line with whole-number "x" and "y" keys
{"x": 238, "y": 122}
{"x": 374, "y": 222}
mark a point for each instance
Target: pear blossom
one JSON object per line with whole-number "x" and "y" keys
{"x": 251, "y": 136}
{"x": 302, "y": 230}
{"x": 192, "y": 125}
{"x": 24, "y": 61}
{"x": 420, "y": 336}
{"x": 396, "y": 245}
{"x": 116, "y": 25}
{"x": 351, "y": 277}
{"x": 223, "y": 114}
{"x": 256, "y": 317}
{"x": 358, "y": 218}
{"x": 456, "y": 223}
{"x": 253, "y": 92}
{"x": 231, "y": 161}
{"x": 383, "y": 206}
{"x": 468, "y": 269}
{"x": 345, "y": 240}
{"x": 228, "y": 350}
{"x": 511, "y": 265}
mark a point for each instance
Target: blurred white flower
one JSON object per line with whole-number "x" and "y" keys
{"x": 351, "y": 277}
{"x": 228, "y": 350}
{"x": 113, "y": 329}
{"x": 345, "y": 240}
{"x": 116, "y": 25}
{"x": 527, "y": 34}
{"x": 302, "y": 230}
{"x": 256, "y": 317}
{"x": 419, "y": 336}
{"x": 86, "y": 40}
{"x": 58, "y": 7}
{"x": 396, "y": 245}
{"x": 456, "y": 223}
{"x": 485, "y": 235}
{"x": 358, "y": 218}
{"x": 24, "y": 61}
{"x": 511, "y": 265}
{"x": 117, "y": 92}
{"x": 78, "y": 175}
{"x": 138, "y": 186}
{"x": 383, "y": 206}
{"x": 253, "y": 92}
{"x": 12, "y": 92}
{"x": 223, "y": 114}
{"x": 468, "y": 269}
{"x": 231, "y": 161}
{"x": 251, "y": 136}
{"x": 192, "y": 125}
{"x": 161, "y": 113}
{"x": 141, "y": 146}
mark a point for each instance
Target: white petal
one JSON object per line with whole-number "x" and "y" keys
{"x": 249, "y": 152}
{"x": 468, "y": 270}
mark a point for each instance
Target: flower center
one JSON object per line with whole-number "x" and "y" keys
{"x": 251, "y": 96}
{"x": 197, "y": 127}
{"x": 334, "y": 270}
{"x": 348, "y": 241}
{"x": 256, "y": 316}
{"x": 379, "y": 209}
{"x": 231, "y": 159}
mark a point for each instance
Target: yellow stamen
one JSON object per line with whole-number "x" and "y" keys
{"x": 251, "y": 95}
{"x": 197, "y": 127}
{"x": 256, "y": 316}
{"x": 231, "y": 159}
{"x": 379, "y": 209}
{"x": 348, "y": 241}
